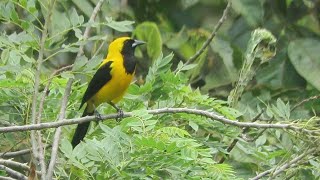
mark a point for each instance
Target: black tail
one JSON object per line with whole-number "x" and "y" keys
{"x": 81, "y": 130}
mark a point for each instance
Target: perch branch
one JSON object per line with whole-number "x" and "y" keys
{"x": 207, "y": 114}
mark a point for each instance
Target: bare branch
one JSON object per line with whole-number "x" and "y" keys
{"x": 88, "y": 28}
{"x": 12, "y": 173}
{"x": 36, "y": 142}
{"x": 212, "y": 35}
{"x": 57, "y": 134}
{"x": 208, "y": 114}
{"x": 11, "y": 163}
{"x": 64, "y": 102}
{"x": 17, "y": 153}
{"x": 46, "y": 89}
{"x": 235, "y": 141}
{"x": 304, "y": 101}
{"x": 282, "y": 168}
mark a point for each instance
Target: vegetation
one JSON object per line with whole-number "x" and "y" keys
{"x": 223, "y": 89}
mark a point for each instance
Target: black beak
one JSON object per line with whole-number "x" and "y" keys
{"x": 137, "y": 43}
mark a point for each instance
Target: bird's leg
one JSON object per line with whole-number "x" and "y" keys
{"x": 119, "y": 110}
{"x": 96, "y": 113}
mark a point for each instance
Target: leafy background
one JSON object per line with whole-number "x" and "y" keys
{"x": 175, "y": 146}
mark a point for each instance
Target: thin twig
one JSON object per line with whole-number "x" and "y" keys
{"x": 64, "y": 102}
{"x": 46, "y": 89}
{"x": 12, "y": 173}
{"x": 36, "y": 142}
{"x": 17, "y": 153}
{"x": 212, "y": 35}
{"x": 235, "y": 141}
{"x": 6, "y": 178}
{"x": 207, "y": 114}
{"x": 88, "y": 28}
{"x": 57, "y": 134}
{"x": 304, "y": 101}
{"x": 285, "y": 166}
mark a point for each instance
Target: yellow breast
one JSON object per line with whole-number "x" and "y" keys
{"x": 114, "y": 89}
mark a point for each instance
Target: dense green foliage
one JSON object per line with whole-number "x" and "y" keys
{"x": 283, "y": 89}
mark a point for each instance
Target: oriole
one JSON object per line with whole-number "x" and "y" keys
{"x": 110, "y": 81}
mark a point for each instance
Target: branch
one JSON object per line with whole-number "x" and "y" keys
{"x": 88, "y": 28}
{"x": 64, "y": 102}
{"x": 36, "y": 142}
{"x": 46, "y": 89}
{"x": 15, "y": 164}
{"x": 304, "y": 101}
{"x": 211, "y": 115}
{"x": 235, "y": 141}
{"x": 12, "y": 173}
{"x": 17, "y": 153}
{"x": 57, "y": 134}
{"x": 213, "y": 34}
{"x": 285, "y": 166}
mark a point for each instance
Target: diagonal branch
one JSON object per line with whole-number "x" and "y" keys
{"x": 11, "y": 163}
{"x": 212, "y": 35}
{"x": 285, "y": 166}
{"x": 12, "y": 173}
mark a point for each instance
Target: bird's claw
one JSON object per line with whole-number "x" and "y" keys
{"x": 120, "y": 115}
{"x": 97, "y": 115}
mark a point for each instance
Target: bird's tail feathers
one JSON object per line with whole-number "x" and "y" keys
{"x": 82, "y": 128}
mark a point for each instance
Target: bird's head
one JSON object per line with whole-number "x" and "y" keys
{"x": 124, "y": 45}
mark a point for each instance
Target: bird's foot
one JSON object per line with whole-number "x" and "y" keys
{"x": 120, "y": 115}
{"x": 97, "y": 115}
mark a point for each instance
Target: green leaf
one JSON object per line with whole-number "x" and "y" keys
{"x": 143, "y": 114}
{"x": 189, "y": 153}
{"x": 173, "y": 131}
{"x": 80, "y": 63}
{"x": 121, "y": 26}
{"x": 178, "y": 39}
{"x": 305, "y": 57}
{"x": 28, "y": 59}
{"x": 93, "y": 63}
{"x": 84, "y": 6}
{"x": 66, "y": 147}
{"x": 75, "y": 19}
{"x": 188, "y": 67}
{"x": 14, "y": 58}
{"x": 251, "y": 10}
{"x": 67, "y": 75}
{"x": 223, "y": 48}
{"x": 149, "y": 32}
{"x": 194, "y": 126}
{"x": 261, "y": 140}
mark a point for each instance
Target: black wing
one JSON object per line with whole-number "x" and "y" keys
{"x": 99, "y": 79}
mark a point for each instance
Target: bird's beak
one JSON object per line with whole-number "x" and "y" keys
{"x": 137, "y": 43}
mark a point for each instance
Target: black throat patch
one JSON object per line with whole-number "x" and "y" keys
{"x": 129, "y": 61}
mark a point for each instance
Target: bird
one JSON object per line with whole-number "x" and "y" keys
{"x": 109, "y": 83}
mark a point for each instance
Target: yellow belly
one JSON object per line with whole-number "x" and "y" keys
{"x": 114, "y": 90}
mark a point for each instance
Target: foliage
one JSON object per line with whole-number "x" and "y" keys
{"x": 284, "y": 89}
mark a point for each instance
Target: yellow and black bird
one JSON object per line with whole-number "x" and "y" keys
{"x": 110, "y": 82}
